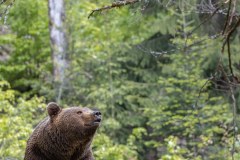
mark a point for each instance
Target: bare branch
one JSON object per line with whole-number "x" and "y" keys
{"x": 227, "y": 41}
{"x": 117, "y": 4}
{"x": 228, "y": 15}
{"x": 234, "y": 112}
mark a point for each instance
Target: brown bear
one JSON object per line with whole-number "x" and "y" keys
{"x": 66, "y": 134}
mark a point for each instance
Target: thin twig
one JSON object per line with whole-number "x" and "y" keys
{"x": 198, "y": 97}
{"x": 229, "y": 34}
{"x": 234, "y": 107}
{"x": 227, "y": 20}
{"x": 229, "y": 58}
{"x": 114, "y": 5}
{"x": 227, "y": 41}
{"x": 233, "y": 12}
{"x": 205, "y": 20}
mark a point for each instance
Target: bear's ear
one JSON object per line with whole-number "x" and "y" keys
{"x": 53, "y": 109}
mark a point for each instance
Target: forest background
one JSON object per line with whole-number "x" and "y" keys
{"x": 156, "y": 70}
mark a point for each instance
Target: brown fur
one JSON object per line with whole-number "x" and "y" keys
{"x": 66, "y": 134}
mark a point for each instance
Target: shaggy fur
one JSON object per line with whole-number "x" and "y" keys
{"x": 66, "y": 134}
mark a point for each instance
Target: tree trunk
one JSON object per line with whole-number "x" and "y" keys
{"x": 58, "y": 43}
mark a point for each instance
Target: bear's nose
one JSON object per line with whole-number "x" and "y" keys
{"x": 97, "y": 113}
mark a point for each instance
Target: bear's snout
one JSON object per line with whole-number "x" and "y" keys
{"x": 97, "y": 115}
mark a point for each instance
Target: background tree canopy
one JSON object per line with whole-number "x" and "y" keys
{"x": 156, "y": 69}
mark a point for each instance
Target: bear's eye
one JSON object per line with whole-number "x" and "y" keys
{"x": 79, "y": 112}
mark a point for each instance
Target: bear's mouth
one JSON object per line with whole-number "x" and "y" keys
{"x": 98, "y": 120}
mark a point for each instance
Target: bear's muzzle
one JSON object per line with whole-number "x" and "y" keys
{"x": 97, "y": 117}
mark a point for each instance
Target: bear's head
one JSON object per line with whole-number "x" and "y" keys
{"x": 75, "y": 123}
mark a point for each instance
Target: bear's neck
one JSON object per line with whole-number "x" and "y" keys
{"x": 65, "y": 145}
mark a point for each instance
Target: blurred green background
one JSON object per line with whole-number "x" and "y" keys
{"x": 141, "y": 65}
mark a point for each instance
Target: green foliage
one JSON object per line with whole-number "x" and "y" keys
{"x": 28, "y": 41}
{"x": 105, "y": 149}
{"x": 174, "y": 152}
{"x": 17, "y": 117}
{"x": 143, "y": 69}
{"x": 180, "y": 112}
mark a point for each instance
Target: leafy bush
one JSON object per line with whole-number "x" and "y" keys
{"x": 18, "y": 116}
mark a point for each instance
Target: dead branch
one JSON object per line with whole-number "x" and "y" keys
{"x": 117, "y": 4}
{"x": 228, "y": 15}
{"x": 227, "y": 41}
{"x": 229, "y": 29}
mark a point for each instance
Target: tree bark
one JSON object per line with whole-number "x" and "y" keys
{"x": 58, "y": 42}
